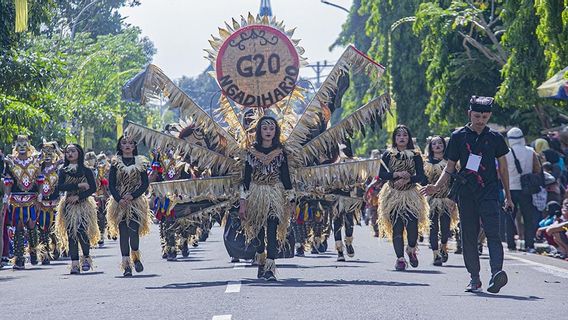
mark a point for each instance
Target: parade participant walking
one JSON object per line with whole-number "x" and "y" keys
{"x": 76, "y": 222}
{"x": 401, "y": 206}
{"x": 267, "y": 198}
{"x": 51, "y": 159}
{"x": 521, "y": 160}
{"x": 128, "y": 212}
{"x": 476, "y": 147}
{"x": 102, "y": 167}
{"x": 443, "y": 211}
{"x": 20, "y": 180}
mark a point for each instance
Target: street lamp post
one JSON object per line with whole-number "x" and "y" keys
{"x": 335, "y": 5}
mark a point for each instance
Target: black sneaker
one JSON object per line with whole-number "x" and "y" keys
{"x": 138, "y": 266}
{"x": 172, "y": 256}
{"x": 56, "y": 254}
{"x": 127, "y": 272}
{"x": 473, "y": 286}
{"x": 300, "y": 251}
{"x": 33, "y": 258}
{"x": 480, "y": 248}
{"x": 269, "y": 276}
{"x": 459, "y": 250}
{"x": 438, "y": 261}
{"x": 19, "y": 265}
{"x": 101, "y": 243}
{"x": 444, "y": 255}
{"x": 45, "y": 262}
{"x": 340, "y": 256}
{"x": 498, "y": 281}
{"x": 235, "y": 260}
{"x": 260, "y": 273}
{"x": 195, "y": 244}
{"x": 413, "y": 259}
{"x": 350, "y": 250}
{"x": 164, "y": 254}
{"x": 314, "y": 250}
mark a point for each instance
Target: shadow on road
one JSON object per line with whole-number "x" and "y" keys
{"x": 139, "y": 276}
{"x": 419, "y": 271}
{"x": 498, "y": 296}
{"x": 293, "y": 282}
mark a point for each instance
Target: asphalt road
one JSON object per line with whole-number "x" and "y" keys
{"x": 207, "y": 286}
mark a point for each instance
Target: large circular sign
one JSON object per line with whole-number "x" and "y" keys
{"x": 257, "y": 66}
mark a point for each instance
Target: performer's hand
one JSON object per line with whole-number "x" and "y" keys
{"x": 428, "y": 190}
{"x": 401, "y": 182}
{"x": 123, "y": 202}
{"x": 402, "y": 174}
{"x": 73, "y": 199}
{"x": 509, "y": 205}
{"x": 83, "y": 185}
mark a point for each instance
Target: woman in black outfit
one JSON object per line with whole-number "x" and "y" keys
{"x": 128, "y": 211}
{"x": 76, "y": 221}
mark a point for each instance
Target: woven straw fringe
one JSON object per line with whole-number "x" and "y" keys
{"x": 156, "y": 82}
{"x": 204, "y": 157}
{"x": 400, "y": 204}
{"x": 346, "y": 175}
{"x": 351, "y": 60}
{"x": 138, "y": 210}
{"x": 266, "y": 201}
{"x": 370, "y": 113}
{"x": 72, "y": 217}
{"x": 214, "y": 189}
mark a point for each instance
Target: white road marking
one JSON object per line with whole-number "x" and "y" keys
{"x": 223, "y": 317}
{"x": 559, "y": 272}
{"x": 233, "y": 286}
{"x": 239, "y": 265}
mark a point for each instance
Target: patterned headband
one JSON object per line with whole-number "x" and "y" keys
{"x": 268, "y": 121}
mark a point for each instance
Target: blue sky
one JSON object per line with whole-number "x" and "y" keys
{"x": 180, "y": 29}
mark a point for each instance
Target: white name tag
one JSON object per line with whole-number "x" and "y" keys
{"x": 473, "y": 162}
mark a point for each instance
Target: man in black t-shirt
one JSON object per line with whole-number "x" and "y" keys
{"x": 481, "y": 154}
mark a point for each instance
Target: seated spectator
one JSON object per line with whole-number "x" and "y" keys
{"x": 552, "y": 188}
{"x": 556, "y": 233}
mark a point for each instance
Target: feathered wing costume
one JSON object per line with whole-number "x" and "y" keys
{"x": 128, "y": 180}
{"x": 304, "y": 137}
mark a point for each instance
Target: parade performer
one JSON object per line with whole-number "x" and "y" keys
{"x": 102, "y": 168}
{"x": 20, "y": 179}
{"x": 304, "y": 136}
{"x": 128, "y": 212}
{"x": 443, "y": 211}
{"x": 76, "y": 222}
{"x": 51, "y": 159}
{"x": 268, "y": 198}
{"x": 401, "y": 206}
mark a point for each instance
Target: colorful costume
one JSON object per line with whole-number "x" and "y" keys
{"x": 21, "y": 174}
{"x": 51, "y": 159}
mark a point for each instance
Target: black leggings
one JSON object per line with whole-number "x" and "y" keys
{"x": 74, "y": 244}
{"x": 439, "y": 223}
{"x": 271, "y": 241}
{"x": 129, "y": 237}
{"x": 338, "y": 223}
{"x": 411, "y": 234}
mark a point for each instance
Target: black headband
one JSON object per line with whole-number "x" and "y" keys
{"x": 480, "y": 104}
